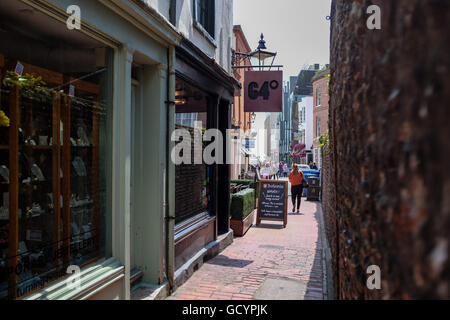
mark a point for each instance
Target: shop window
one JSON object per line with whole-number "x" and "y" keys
{"x": 192, "y": 181}
{"x": 205, "y": 15}
{"x": 318, "y": 127}
{"x": 318, "y": 97}
{"x": 55, "y": 152}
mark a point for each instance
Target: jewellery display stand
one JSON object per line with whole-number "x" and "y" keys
{"x": 39, "y": 155}
{"x": 81, "y": 165}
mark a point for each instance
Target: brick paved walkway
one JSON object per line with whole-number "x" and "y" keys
{"x": 265, "y": 252}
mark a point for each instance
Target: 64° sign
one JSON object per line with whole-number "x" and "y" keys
{"x": 263, "y": 91}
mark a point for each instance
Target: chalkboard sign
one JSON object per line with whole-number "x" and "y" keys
{"x": 272, "y": 203}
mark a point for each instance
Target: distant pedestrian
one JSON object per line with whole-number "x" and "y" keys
{"x": 265, "y": 171}
{"x": 296, "y": 179}
{"x": 285, "y": 170}
{"x": 314, "y": 166}
{"x": 273, "y": 171}
{"x": 280, "y": 169}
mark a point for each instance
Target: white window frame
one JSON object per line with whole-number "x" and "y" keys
{"x": 201, "y": 27}
{"x": 318, "y": 97}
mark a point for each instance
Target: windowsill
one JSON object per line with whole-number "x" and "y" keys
{"x": 205, "y": 33}
{"x": 187, "y": 228}
{"x": 93, "y": 279}
{"x": 190, "y": 221}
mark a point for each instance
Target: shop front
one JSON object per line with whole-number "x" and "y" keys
{"x": 204, "y": 96}
{"x": 69, "y": 101}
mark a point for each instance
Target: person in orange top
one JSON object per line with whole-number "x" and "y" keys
{"x": 296, "y": 178}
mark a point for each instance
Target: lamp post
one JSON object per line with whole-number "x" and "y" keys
{"x": 258, "y": 58}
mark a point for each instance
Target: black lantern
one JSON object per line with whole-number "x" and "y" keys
{"x": 262, "y": 57}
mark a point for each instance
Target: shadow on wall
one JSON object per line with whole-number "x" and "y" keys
{"x": 315, "y": 288}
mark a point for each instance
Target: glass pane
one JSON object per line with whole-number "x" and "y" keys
{"x": 192, "y": 182}
{"x": 63, "y": 169}
{"x": 4, "y": 215}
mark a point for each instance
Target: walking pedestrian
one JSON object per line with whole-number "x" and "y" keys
{"x": 265, "y": 171}
{"x": 280, "y": 169}
{"x": 285, "y": 170}
{"x": 296, "y": 179}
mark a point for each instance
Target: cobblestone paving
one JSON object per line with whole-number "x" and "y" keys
{"x": 267, "y": 251}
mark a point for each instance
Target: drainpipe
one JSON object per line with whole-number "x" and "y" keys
{"x": 169, "y": 214}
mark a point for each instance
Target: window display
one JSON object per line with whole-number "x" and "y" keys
{"x": 54, "y": 154}
{"x": 192, "y": 182}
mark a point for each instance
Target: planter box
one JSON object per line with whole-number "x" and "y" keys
{"x": 240, "y": 227}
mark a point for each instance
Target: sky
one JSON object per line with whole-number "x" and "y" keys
{"x": 296, "y": 29}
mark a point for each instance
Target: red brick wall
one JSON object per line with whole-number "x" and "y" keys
{"x": 322, "y": 111}
{"x": 390, "y": 152}
{"x": 238, "y": 108}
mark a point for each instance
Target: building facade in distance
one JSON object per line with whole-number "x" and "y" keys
{"x": 241, "y": 120}
{"x": 321, "y": 103}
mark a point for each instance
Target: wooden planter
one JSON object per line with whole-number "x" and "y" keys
{"x": 240, "y": 227}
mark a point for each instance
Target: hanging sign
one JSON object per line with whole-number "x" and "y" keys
{"x": 250, "y": 143}
{"x": 263, "y": 91}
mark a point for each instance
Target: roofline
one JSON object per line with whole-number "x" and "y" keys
{"x": 321, "y": 74}
{"x": 237, "y": 28}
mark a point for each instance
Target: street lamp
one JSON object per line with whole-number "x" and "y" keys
{"x": 257, "y": 58}
{"x": 260, "y": 56}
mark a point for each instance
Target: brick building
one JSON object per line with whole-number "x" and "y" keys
{"x": 301, "y": 111}
{"x": 321, "y": 103}
{"x": 240, "y": 120}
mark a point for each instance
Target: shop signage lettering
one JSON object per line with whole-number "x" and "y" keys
{"x": 41, "y": 283}
{"x": 72, "y": 282}
{"x": 58, "y": 254}
{"x": 263, "y": 91}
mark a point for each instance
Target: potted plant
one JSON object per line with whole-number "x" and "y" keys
{"x": 242, "y": 211}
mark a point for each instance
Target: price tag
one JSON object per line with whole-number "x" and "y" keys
{"x": 19, "y": 68}
{"x": 71, "y": 91}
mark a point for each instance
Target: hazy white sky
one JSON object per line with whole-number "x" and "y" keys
{"x": 296, "y": 29}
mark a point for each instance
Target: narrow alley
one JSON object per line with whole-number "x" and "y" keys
{"x": 150, "y": 151}
{"x": 268, "y": 263}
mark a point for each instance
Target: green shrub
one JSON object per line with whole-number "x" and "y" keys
{"x": 242, "y": 204}
{"x": 254, "y": 185}
{"x": 242, "y": 181}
